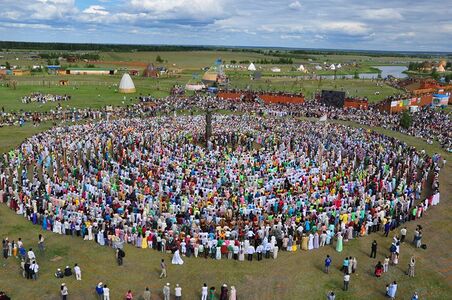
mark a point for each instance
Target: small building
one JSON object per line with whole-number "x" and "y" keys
{"x": 90, "y": 71}
{"x": 150, "y": 71}
{"x": 19, "y": 72}
{"x": 53, "y": 69}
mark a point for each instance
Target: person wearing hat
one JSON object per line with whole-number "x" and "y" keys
{"x": 100, "y": 291}
{"x": 64, "y": 291}
{"x": 178, "y": 292}
{"x": 224, "y": 292}
{"x": 67, "y": 271}
{"x": 166, "y": 291}
{"x": 59, "y": 273}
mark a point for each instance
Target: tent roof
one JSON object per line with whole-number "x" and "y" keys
{"x": 126, "y": 82}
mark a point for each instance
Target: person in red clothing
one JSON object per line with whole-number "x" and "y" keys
{"x": 378, "y": 269}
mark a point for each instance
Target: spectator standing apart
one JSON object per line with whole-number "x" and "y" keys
{"x": 31, "y": 255}
{"x": 120, "y": 254}
{"x": 392, "y": 291}
{"x": 5, "y": 248}
{"x": 106, "y": 292}
{"x": 163, "y": 267}
{"x": 411, "y": 267}
{"x": 27, "y": 269}
{"x": 373, "y": 252}
{"x": 166, "y": 291}
{"x": 178, "y": 292}
{"x": 327, "y": 264}
{"x": 64, "y": 291}
{"x": 147, "y": 294}
{"x": 386, "y": 264}
{"x": 78, "y": 272}
{"x": 204, "y": 292}
{"x": 212, "y": 293}
{"x": 346, "y": 281}
{"x": 354, "y": 264}
{"x": 403, "y": 232}
{"x": 100, "y": 291}
{"x": 224, "y": 292}
{"x": 233, "y": 294}
{"x": 3, "y": 296}
{"x": 419, "y": 239}
{"x": 331, "y": 296}
{"x": 129, "y": 295}
{"x": 41, "y": 243}
{"x": 34, "y": 267}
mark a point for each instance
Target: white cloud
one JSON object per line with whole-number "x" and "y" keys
{"x": 382, "y": 14}
{"x": 295, "y": 5}
{"x": 96, "y": 10}
{"x": 198, "y": 9}
{"x": 290, "y": 37}
{"x": 350, "y": 28}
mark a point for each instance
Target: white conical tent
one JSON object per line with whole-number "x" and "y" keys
{"x": 126, "y": 85}
{"x": 332, "y": 67}
{"x": 301, "y": 68}
{"x": 251, "y": 67}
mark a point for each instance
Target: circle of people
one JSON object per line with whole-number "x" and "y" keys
{"x": 259, "y": 185}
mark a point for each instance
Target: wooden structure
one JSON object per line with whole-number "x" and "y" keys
{"x": 266, "y": 97}
{"x": 356, "y": 103}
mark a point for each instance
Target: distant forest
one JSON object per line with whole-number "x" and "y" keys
{"x": 281, "y": 52}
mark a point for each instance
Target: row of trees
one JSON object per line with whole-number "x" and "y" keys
{"x": 66, "y": 55}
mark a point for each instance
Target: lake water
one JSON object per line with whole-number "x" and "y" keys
{"x": 396, "y": 71}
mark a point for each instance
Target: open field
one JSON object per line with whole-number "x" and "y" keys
{"x": 98, "y": 91}
{"x": 192, "y": 61}
{"x": 292, "y": 276}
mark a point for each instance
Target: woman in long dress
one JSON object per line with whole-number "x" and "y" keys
{"x": 316, "y": 240}
{"x": 100, "y": 238}
{"x": 339, "y": 242}
{"x": 233, "y": 294}
{"x": 411, "y": 266}
{"x": 311, "y": 242}
{"x": 177, "y": 260}
{"x": 304, "y": 242}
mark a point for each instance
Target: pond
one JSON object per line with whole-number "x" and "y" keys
{"x": 396, "y": 71}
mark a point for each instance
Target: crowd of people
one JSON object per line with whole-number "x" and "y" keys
{"x": 258, "y": 187}
{"x": 38, "y": 97}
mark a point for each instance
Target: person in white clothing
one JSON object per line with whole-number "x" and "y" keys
{"x": 78, "y": 272}
{"x": 250, "y": 252}
{"x": 204, "y": 292}
{"x": 178, "y": 292}
{"x": 31, "y": 255}
{"x": 106, "y": 292}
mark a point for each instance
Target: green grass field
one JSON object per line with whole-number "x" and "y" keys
{"x": 98, "y": 91}
{"x": 292, "y": 276}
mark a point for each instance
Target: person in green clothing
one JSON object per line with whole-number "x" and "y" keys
{"x": 212, "y": 295}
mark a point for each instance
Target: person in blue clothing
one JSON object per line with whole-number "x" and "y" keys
{"x": 100, "y": 291}
{"x": 327, "y": 264}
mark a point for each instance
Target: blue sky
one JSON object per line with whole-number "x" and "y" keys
{"x": 352, "y": 24}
